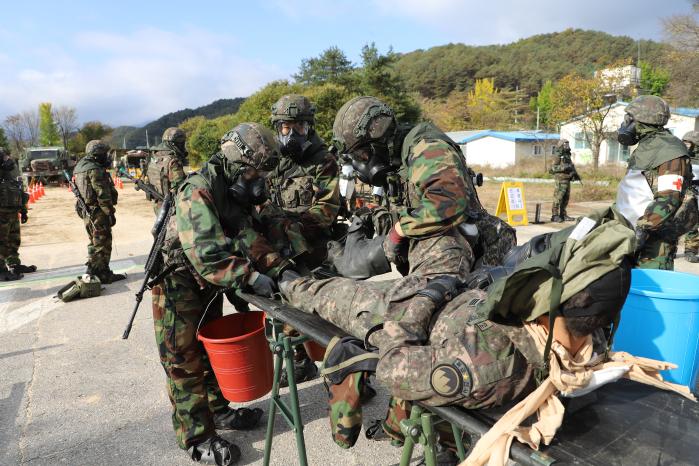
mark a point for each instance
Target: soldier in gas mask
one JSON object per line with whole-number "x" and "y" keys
{"x": 97, "y": 190}
{"x": 691, "y": 239}
{"x": 304, "y": 187}
{"x": 166, "y": 164}
{"x": 439, "y": 219}
{"x": 13, "y": 201}
{"x": 213, "y": 245}
{"x": 564, "y": 172}
{"x": 301, "y": 216}
{"x": 653, "y": 195}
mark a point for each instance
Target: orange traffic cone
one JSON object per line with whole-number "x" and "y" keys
{"x": 42, "y": 190}
{"x": 32, "y": 199}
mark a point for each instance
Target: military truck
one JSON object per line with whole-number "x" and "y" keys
{"x": 46, "y": 164}
{"x": 133, "y": 161}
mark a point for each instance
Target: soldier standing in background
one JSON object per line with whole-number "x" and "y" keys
{"x": 564, "y": 172}
{"x": 97, "y": 190}
{"x": 661, "y": 166}
{"x": 305, "y": 198}
{"x": 691, "y": 239}
{"x": 166, "y": 164}
{"x": 212, "y": 246}
{"x": 13, "y": 206}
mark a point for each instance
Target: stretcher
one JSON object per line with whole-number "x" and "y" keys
{"x": 624, "y": 423}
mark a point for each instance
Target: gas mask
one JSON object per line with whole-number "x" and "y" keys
{"x": 372, "y": 164}
{"x": 628, "y": 136}
{"x": 294, "y": 143}
{"x": 249, "y": 192}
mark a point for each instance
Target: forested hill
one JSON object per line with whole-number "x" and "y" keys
{"x": 137, "y": 136}
{"x": 526, "y": 64}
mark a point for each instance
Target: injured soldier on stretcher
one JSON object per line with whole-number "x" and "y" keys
{"x": 543, "y": 329}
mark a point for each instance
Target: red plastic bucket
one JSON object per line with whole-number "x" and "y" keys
{"x": 239, "y": 354}
{"x": 314, "y": 350}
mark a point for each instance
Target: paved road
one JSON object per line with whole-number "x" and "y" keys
{"x": 72, "y": 392}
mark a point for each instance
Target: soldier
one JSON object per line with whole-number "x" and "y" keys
{"x": 652, "y": 194}
{"x": 305, "y": 198}
{"x": 691, "y": 239}
{"x": 564, "y": 172}
{"x": 473, "y": 349}
{"x": 166, "y": 165}
{"x": 13, "y": 207}
{"x": 213, "y": 246}
{"x": 97, "y": 190}
{"x": 428, "y": 184}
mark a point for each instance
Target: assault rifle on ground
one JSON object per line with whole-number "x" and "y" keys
{"x": 143, "y": 186}
{"x": 82, "y": 207}
{"x": 154, "y": 263}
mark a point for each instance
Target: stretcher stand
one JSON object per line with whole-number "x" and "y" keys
{"x": 619, "y": 424}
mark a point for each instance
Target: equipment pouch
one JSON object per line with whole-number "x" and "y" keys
{"x": 86, "y": 286}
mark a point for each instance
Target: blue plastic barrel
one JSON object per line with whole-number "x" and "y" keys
{"x": 660, "y": 320}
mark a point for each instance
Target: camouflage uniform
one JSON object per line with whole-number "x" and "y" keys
{"x": 13, "y": 204}
{"x": 100, "y": 196}
{"x": 564, "y": 172}
{"x": 658, "y": 154}
{"x": 304, "y": 187}
{"x": 214, "y": 247}
{"x": 691, "y": 239}
{"x": 166, "y": 164}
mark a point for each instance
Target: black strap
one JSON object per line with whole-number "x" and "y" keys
{"x": 368, "y": 346}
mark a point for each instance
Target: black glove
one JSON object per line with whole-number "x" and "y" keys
{"x": 441, "y": 289}
{"x": 23, "y": 217}
{"x": 263, "y": 286}
{"x": 641, "y": 238}
{"x": 482, "y": 278}
{"x": 112, "y": 220}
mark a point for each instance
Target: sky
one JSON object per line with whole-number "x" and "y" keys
{"x": 129, "y": 62}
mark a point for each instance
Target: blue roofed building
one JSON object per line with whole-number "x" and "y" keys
{"x": 500, "y": 149}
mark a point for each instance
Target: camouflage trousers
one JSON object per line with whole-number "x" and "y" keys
{"x": 658, "y": 253}
{"x": 691, "y": 241}
{"x": 9, "y": 237}
{"x": 178, "y": 306}
{"x": 561, "y": 196}
{"x": 99, "y": 250}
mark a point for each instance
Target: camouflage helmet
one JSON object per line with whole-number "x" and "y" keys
{"x": 649, "y": 109}
{"x": 174, "y": 135}
{"x": 362, "y": 120}
{"x": 96, "y": 147}
{"x": 691, "y": 136}
{"x": 293, "y": 107}
{"x": 562, "y": 142}
{"x": 251, "y": 144}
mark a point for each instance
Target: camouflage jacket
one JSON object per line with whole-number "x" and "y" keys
{"x": 95, "y": 185}
{"x": 218, "y": 239}
{"x": 438, "y": 192}
{"x": 309, "y": 187}
{"x": 12, "y": 197}
{"x": 661, "y": 154}
{"x": 562, "y": 167}
{"x": 165, "y": 170}
{"x": 440, "y": 358}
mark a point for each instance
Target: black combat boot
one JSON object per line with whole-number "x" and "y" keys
{"x": 567, "y": 219}
{"x": 304, "y": 370}
{"x": 9, "y": 275}
{"x": 215, "y": 450}
{"x": 237, "y": 419}
{"x": 107, "y": 276}
{"x": 21, "y": 268}
{"x": 691, "y": 256}
{"x": 556, "y": 219}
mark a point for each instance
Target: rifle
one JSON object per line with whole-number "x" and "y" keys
{"x": 154, "y": 263}
{"x": 82, "y": 206}
{"x": 143, "y": 186}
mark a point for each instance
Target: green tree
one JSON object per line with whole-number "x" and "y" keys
{"x": 204, "y": 140}
{"x": 543, "y": 102}
{"x": 331, "y": 66}
{"x": 4, "y": 142}
{"x": 89, "y": 131}
{"x": 48, "y": 131}
{"x": 377, "y": 78}
{"x": 490, "y": 107}
{"x": 654, "y": 80}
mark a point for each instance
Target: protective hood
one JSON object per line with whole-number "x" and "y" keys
{"x": 657, "y": 146}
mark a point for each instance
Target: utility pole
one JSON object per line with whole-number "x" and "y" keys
{"x": 147, "y": 142}
{"x": 537, "y": 118}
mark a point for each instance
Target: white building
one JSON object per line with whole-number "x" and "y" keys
{"x": 620, "y": 78}
{"x": 681, "y": 121}
{"x": 500, "y": 149}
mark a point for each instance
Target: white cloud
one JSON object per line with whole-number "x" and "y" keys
{"x": 134, "y": 77}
